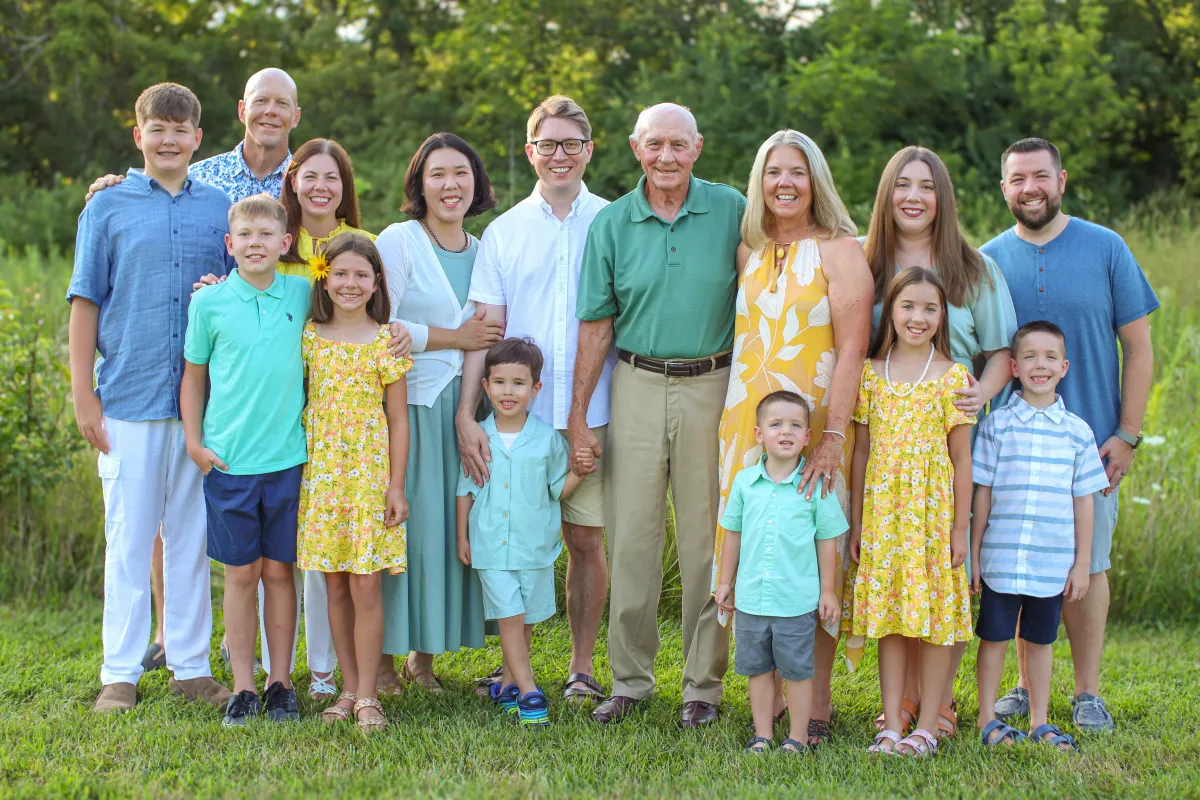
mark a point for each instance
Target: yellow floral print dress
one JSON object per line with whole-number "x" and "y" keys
{"x": 905, "y": 584}
{"x": 342, "y": 496}
{"x": 783, "y": 340}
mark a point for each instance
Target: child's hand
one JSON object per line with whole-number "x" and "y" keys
{"x": 724, "y": 593}
{"x": 585, "y": 461}
{"x": 1077, "y": 583}
{"x": 958, "y": 546}
{"x": 206, "y": 459}
{"x": 830, "y": 610}
{"x": 397, "y": 508}
{"x": 976, "y": 580}
{"x": 464, "y": 552}
{"x": 89, "y": 416}
{"x": 855, "y": 542}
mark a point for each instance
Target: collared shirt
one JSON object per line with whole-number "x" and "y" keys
{"x": 777, "y": 572}
{"x": 303, "y": 247}
{"x": 670, "y": 286}
{"x": 515, "y": 520}
{"x": 1086, "y": 281}
{"x": 251, "y": 339}
{"x": 1036, "y": 460}
{"x": 230, "y": 173}
{"x": 138, "y": 250}
{"x": 529, "y": 262}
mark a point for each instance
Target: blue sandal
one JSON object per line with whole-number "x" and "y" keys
{"x": 1056, "y": 738}
{"x": 1005, "y": 732}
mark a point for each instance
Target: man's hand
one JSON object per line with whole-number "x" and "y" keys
{"x": 1117, "y": 456}
{"x": 464, "y": 551}
{"x": 958, "y": 546}
{"x": 829, "y": 609}
{"x": 473, "y": 449}
{"x": 100, "y": 184}
{"x": 478, "y": 333}
{"x": 396, "y": 509}
{"x": 206, "y": 459}
{"x": 580, "y": 437}
{"x": 400, "y": 345}
{"x": 968, "y": 400}
{"x": 207, "y": 280}
{"x": 89, "y": 416}
{"x": 1077, "y": 583}
{"x": 724, "y": 598}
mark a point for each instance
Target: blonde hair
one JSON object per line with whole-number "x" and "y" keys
{"x": 257, "y": 206}
{"x": 828, "y": 212}
{"x": 557, "y": 107}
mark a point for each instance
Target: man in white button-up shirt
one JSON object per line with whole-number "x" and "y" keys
{"x": 526, "y": 277}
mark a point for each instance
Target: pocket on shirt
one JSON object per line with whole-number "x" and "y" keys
{"x": 535, "y": 489}
{"x": 207, "y": 242}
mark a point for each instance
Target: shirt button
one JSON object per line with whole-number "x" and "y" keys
{"x": 767, "y": 573}
{"x": 1041, "y": 288}
{"x": 672, "y": 249}
{"x": 504, "y": 542}
{"x": 770, "y": 522}
{"x": 505, "y": 515}
{"x": 1041, "y": 269}
{"x": 176, "y": 230}
{"x": 1041, "y": 249}
{"x": 506, "y": 486}
{"x": 770, "y": 549}
{"x": 772, "y": 494}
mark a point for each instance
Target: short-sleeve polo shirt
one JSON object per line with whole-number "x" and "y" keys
{"x": 516, "y": 520}
{"x": 670, "y": 286}
{"x": 250, "y": 340}
{"x": 777, "y": 572}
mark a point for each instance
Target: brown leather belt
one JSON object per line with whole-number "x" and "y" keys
{"x": 676, "y": 368}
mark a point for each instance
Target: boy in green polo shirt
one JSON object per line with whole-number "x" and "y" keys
{"x": 244, "y": 336}
{"x": 780, "y": 590}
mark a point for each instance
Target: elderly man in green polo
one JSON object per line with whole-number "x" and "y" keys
{"x": 658, "y": 276}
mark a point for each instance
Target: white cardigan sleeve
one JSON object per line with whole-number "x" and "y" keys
{"x": 397, "y": 264}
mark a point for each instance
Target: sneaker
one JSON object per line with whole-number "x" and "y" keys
{"x": 242, "y": 706}
{"x": 281, "y": 705}
{"x": 1089, "y": 713}
{"x": 509, "y": 697}
{"x": 534, "y": 709}
{"x": 1013, "y": 704}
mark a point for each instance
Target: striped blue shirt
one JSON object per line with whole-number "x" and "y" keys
{"x": 1037, "y": 460}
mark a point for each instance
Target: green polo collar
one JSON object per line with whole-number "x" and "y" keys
{"x": 247, "y": 292}
{"x": 696, "y": 201}
{"x": 761, "y": 472}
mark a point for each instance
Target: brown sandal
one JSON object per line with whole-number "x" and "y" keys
{"x": 908, "y": 709}
{"x": 388, "y": 683}
{"x": 370, "y": 724}
{"x": 336, "y": 713}
{"x": 947, "y": 724}
{"x": 426, "y": 679}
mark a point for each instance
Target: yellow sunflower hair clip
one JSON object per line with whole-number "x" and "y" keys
{"x": 318, "y": 267}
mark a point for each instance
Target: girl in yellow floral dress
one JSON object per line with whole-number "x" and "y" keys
{"x": 352, "y": 506}
{"x": 910, "y": 500}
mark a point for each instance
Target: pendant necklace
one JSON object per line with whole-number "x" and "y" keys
{"x": 887, "y": 376}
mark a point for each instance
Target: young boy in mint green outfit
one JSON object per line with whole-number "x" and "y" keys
{"x": 244, "y": 336}
{"x": 510, "y": 529}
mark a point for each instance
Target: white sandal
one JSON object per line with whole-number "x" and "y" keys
{"x": 918, "y": 748}
{"x": 322, "y": 688}
{"x": 878, "y": 747}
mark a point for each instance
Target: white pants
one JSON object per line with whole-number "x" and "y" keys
{"x": 321, "y": 655}
{"x": 149, "y": 480}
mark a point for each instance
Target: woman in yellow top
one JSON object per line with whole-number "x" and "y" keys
{"x": 318, "y": 193}
{"x": 803, "y": 324}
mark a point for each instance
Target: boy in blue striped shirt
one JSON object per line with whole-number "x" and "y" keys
{"x": 1035, "y": 467}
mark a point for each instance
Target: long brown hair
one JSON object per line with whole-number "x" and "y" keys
{"x": 347, "y": 209}
{"x": 379, "y": 306}
{"x": 885, "y": 337}
{"x": 960, "y": 265}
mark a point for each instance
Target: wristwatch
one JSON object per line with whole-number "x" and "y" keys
{"x": 1128, "y": 438}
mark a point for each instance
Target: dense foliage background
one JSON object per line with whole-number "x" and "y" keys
{"x": 1116, "y": 84}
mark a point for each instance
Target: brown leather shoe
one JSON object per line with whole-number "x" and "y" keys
{"x": 116, "y": 698}
{"x": 696, "y": 713}
{"x": 615, "y": 709}
{"x": 203, "y": 689}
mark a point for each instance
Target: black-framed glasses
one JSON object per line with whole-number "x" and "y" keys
{"x": 548, "y": 147}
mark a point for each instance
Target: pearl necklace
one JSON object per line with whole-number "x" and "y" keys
{"x": 887, "y": 373}
{"x": 463, "y": 249}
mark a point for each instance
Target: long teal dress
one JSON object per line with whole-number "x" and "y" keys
{"x": 436, "y": 606}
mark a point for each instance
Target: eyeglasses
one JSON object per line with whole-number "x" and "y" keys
{"x": 548, "y": 147}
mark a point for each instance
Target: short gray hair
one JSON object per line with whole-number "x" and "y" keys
{"x": 649, "y": 112}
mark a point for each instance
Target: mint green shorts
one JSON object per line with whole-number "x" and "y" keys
{"x": 508, "y": 592}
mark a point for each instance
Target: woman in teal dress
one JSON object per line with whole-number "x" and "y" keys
{"x": 437, "y": 605}
{"x": 915, "y": 224}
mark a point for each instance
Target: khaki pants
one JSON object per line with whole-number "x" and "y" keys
{"x": 663, "y": 429}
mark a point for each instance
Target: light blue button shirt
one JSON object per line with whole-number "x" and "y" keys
{"x": 138, "y": 251}
{"x": 515, "y": 520}
{"x": 777, "y": 572}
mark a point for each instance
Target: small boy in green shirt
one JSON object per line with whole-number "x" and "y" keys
{"x": 784, "y": 581}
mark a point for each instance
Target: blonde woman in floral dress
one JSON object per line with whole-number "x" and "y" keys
{"x": 803, "y": 321}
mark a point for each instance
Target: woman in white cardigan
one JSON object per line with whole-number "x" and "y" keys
{"x": 436, "y": 606}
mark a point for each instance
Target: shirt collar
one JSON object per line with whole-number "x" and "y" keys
{"x": 696, "y": 201}
{"x": 540, "y": 201}
{"x": 342, "y": 227}
{"x": 247, "y": 292}
{"x": 148, "y": 184}
{"x": 1056, "y": 412}
{"x": 489, "y": 427}
{"x": 761, "y": 472}
{"x": 244, "y": 168}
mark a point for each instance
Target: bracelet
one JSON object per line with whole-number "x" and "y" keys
{"x": 836, "y": 433}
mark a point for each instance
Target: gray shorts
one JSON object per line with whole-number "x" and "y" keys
{"x": 782, "y": 644}
{"x": 1104, "y": 522}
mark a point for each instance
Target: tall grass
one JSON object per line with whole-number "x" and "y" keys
{"x": 1156, "y": 553}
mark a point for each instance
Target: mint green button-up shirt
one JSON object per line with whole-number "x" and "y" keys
{"x": 777, "y": 566}
{"x": 515, "y": 520}
{"x": 250, "y": 340}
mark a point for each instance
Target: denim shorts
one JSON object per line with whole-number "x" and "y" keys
{"x": 782, "y": 644}
{"x": 999, "y": 613}
{"x": 252, "y": 516}
{"x": 508, "y": 592}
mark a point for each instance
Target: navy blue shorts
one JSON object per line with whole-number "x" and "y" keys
{"x": 252, "y": 516}
{"x": 999, "y": 613}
